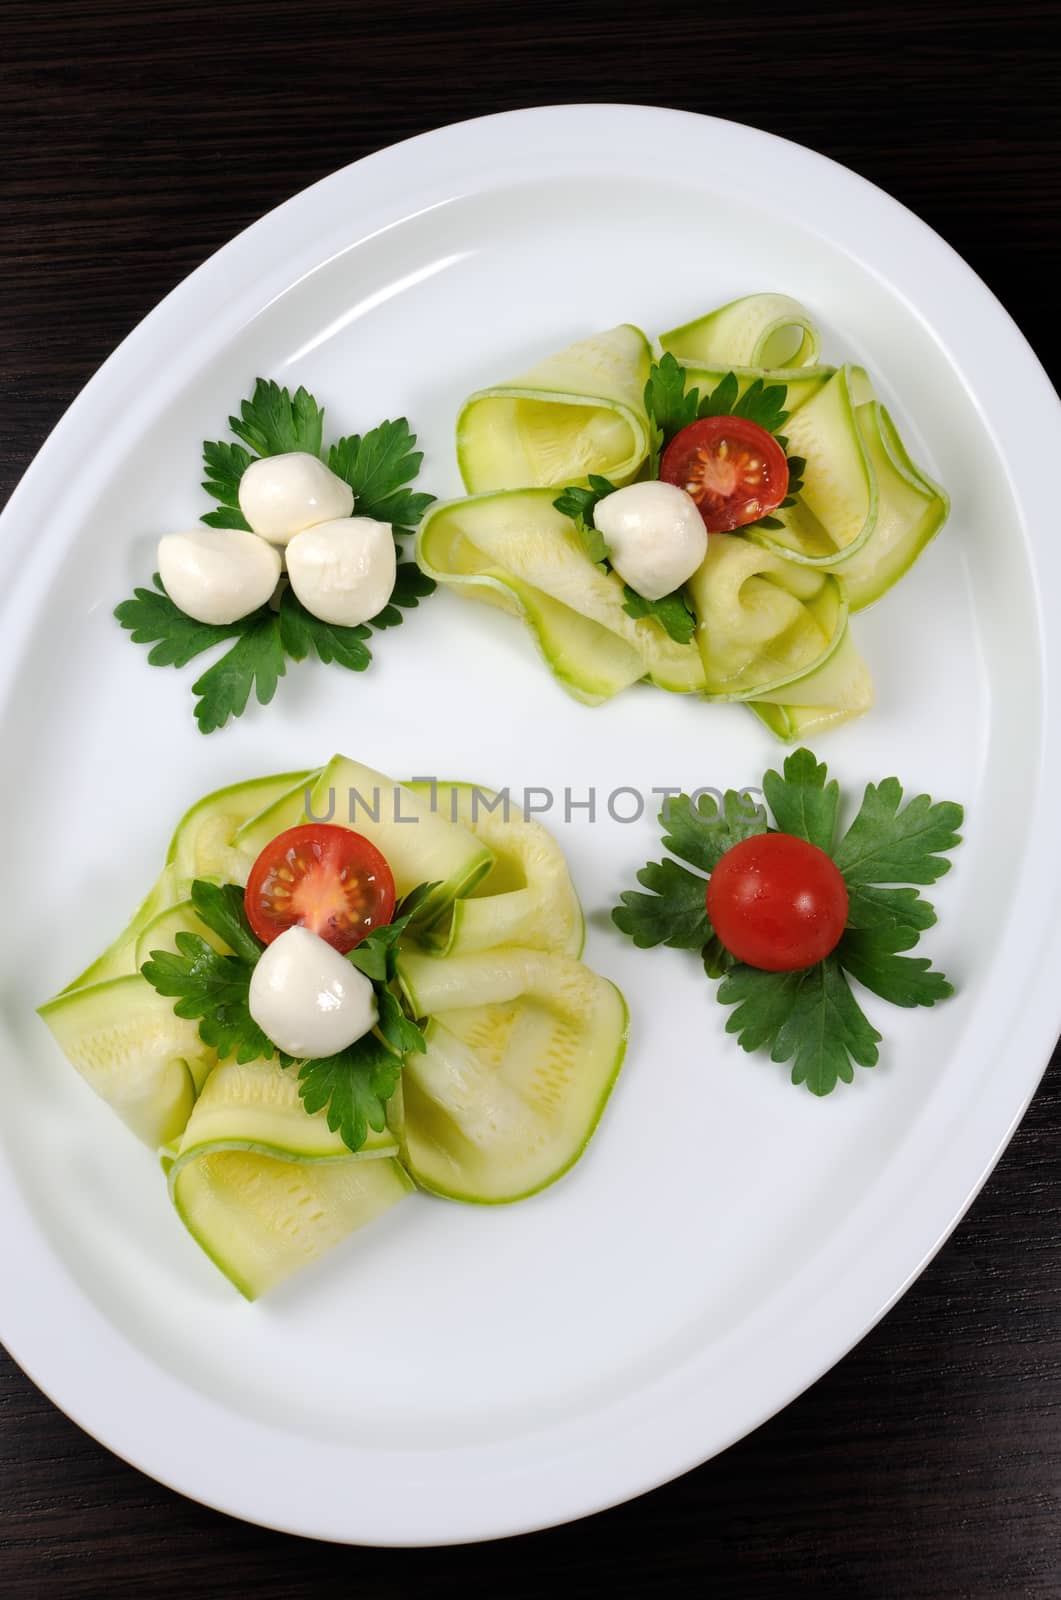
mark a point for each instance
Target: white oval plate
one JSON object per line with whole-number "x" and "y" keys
{"x": 453, "y": 1373}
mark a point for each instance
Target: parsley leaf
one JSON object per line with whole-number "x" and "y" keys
{"x": 578, "y": 504}
{"x": 810, "y": 1017}
{"x": 763, "y": 403}
{"x": 797, "y": 466}
{"x": 870, "y": 955}
{"x": 352, "y": 1088}
{"x": 412, "y": 905}
{"x": 673, "y": 612}
{"x": 401, "y": 1032}
{"x": 670, "y": 408}
{"x": 872, "y": 906}
{"x": 702, "y": 834}
{"x": 274, "y": 422}
{"x": 886, "y": 844}
{"x": 410, "y": 587}
{"x": 255, "y": 662}
{"x": 377, "y": 954}
{"x": 722, "y": 398}
{"x": 152, "y": 616}
{"x": 717, "y": 959}
{"x": 802, "y": 802}
{"x": 673, "y": 913}
{"x": 222, "y": 908}
{"x": 213, "y": 988}
{"x": 373, "y": 956}
{"x": 377, "y": 466}
{"x": 303, "y": 634}
{"x": 225, "y": 465}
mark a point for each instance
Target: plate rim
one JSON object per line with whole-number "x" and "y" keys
{"x": 921, "y": 265}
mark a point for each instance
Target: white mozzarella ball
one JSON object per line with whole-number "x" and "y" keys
{"x": 218, "y": 574}
{"x": 343, "y": 571}
{"x": 281, "y": 495}
{"x": 655, "y": 535}
{"x": 307, "y": 999}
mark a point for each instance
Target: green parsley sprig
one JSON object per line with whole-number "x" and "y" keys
{"x": 811, "y": 1017}
{"x": 212, "y": 986}
{"x": 379, "y": 466}
{"x": 671, "y": 406}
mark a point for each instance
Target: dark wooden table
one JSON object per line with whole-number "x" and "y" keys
{"x": 135, "y": 140}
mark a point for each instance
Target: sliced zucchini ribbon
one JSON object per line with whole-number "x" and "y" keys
{"x": 864, "y": 513}
{"x": 523, "y": 1041}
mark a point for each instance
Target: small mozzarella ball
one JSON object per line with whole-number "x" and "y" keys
{"x": 218, "y": 575}
{"x": 655, "y": 535}
{"x": 307, "y": 999}
{"x": 281, "y": 495}
{"x": 343, "y": 571}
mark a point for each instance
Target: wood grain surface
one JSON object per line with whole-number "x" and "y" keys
{"x": 136, "y": 139}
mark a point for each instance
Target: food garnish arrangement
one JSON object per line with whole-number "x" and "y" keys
{"x": 704, "y": 515}
{"x": 310, "y": 1019}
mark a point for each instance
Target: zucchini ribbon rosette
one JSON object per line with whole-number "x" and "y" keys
{"x": 494, "y": 1054}
{"x": 768, "y": 611}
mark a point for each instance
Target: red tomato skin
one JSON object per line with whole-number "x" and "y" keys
{"x": 746, "y": 481}
{"x": 338, "y": 885}
{"x": 777, "y": 902}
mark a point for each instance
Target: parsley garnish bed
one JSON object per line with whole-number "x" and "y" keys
{"x": 212, "y": 987}
{"x": 810, "y": 1017}
{"x": 380, "y": 466}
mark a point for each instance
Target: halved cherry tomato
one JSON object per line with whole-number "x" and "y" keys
{"x": 327, "y": 879}
{"x": 734, "y": 470}
{"x": 777, "y": 902}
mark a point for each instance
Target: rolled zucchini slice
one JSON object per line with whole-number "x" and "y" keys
{"x": 837, "y": 691}
{"x": 763, "y": 623}
{"x": 523, "y": 1048}
{"x": 119, "y": 958}
{"x": 516, "y": 545}
{"x": 256, "y": 1106}
{"x": 204, "y": 844}
{"x": 264, "y": 1187}
{"x": 865, "y": 511}
{"x": 911, "y": 511}
{"x": 758, "y": 330}
{"x": 421, "y": 846}
{"x": 287, "y": 810}
{"x": 836, "y": 512}
{"x": 261, "y": 1218}
{"x": 577, "y": 412}
{"x": 527, "y": 898}
{"x": 127, "y": 1043}
{"x": 161, "y": 932}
